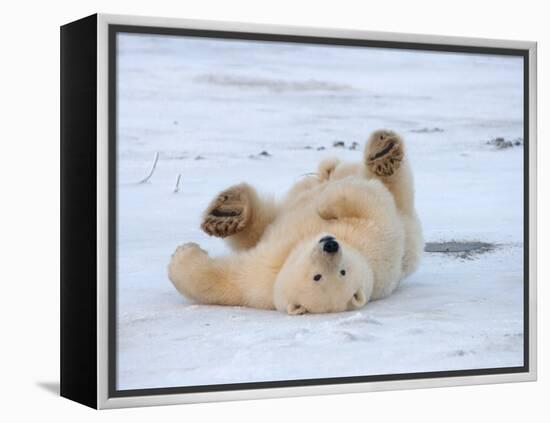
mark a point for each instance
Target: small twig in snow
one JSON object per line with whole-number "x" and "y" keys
{"x": 155, "y": 160}
{"x": 177, "y": 189}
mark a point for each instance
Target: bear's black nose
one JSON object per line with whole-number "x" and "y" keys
{"x": 326, "y": 238}
{"x": 331, "y": 246}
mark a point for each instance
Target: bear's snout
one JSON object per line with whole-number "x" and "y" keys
{"x": 326, "y": 238}
{"x": 331, "y": 246}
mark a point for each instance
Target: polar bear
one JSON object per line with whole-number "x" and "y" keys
{"x": 339, "y": 239}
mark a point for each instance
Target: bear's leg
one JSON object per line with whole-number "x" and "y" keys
{"x": 239, "y": 215}
{"x": 414, "y": 243}
{"x": 202, "y": 278}
{"x": 326, "y": 168}
{"x": 386, "y": 161}
{"x": 356, "y": 198}
{"x": 332, "y": 169}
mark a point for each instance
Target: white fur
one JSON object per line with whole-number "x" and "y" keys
{"x": 277, "y": 255}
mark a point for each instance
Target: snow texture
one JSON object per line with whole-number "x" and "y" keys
{"x": 210, "y": 107}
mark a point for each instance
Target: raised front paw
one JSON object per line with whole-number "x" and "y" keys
{"x": 326, "y": 168}
{"x": 229, "y": 213}
{"x": 384, "y": 153}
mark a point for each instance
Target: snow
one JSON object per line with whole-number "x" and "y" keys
{"x": 229, "y": 100}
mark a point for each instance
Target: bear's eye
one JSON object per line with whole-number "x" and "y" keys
{"x": 317, "y": 277}
{"x": 343, "y": 272}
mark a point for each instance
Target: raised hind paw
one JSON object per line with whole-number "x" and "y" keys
{"x": 384, "y": 153}
{"x": 182, "y": 257}
{"x": 184, "y": 252}
{"x": 229, "y": 213}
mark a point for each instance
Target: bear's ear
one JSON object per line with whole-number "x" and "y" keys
{"x": 295, "y": 309}
{"x": 358, "y": 300}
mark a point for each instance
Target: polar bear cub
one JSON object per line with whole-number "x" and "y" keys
{"x": 339, "y": 239}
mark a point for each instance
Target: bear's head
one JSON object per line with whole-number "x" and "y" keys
{"x": 323, "y": 275}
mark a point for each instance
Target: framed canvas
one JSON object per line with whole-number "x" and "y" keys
{"x": 253, "y": 211}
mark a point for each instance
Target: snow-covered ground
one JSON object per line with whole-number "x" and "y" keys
{"x": 209, "y": 107}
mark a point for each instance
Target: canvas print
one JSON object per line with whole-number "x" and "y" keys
{"x": 290, "y": 211}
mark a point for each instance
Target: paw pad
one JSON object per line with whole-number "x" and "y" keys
{"x": 228, "y": 214}
{"x": 384, "y": 153}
